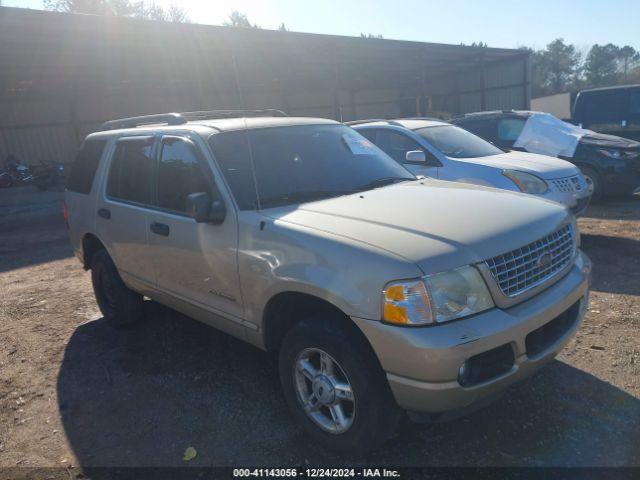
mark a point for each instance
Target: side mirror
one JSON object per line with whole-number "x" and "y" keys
{"x": 201, "y": 208}
{"x": 416, "y": 156}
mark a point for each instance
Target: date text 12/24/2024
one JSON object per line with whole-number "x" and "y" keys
{"x": 316, "y": 472}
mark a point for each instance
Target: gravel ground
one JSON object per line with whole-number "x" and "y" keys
{"x": 76, "y": 393}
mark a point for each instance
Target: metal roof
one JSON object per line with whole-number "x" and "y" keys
{"x": 45, "y": 53}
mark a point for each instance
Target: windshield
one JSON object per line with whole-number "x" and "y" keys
{"x": 297, "y": 164}
{"x": 455, "y": 142}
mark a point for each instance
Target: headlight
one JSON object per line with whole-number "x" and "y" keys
{"x": 436, "y": 298}
{"x": 611, "y": 153}
{"x": 526, "y": 182}
{"x": 618, "y": 154}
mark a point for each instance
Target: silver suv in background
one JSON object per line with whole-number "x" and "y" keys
{"x": 441, "y": 150}
{"x": 381, "y": 292}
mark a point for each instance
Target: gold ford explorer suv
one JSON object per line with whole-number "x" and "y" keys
{"x": 382, "y": 292}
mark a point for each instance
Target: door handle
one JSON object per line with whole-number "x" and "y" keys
{"x": 160, "y": 229}
{"x": 104, "y": 213}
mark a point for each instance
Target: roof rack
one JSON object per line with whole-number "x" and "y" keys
{"x": 486, "y": 112}
{"x": 184, "y": 117}
{"x": 372, "y": 120}
{"x": 212, "y": 114}
{"x": 131, "y": 122}
{"x": 431, "y": 119}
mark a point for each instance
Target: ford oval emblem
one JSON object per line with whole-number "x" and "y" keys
{"x": 544, "y": 260}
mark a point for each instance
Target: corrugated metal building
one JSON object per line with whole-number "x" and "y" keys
{"x": 61, "y": 75}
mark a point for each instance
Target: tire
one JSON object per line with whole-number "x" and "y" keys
{"x": 119, "y": 305}
{"x": 593, "y": 178}
{"x": 371, "y": 415}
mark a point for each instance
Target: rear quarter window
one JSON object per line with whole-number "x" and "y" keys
{"x": 85, "y": 165}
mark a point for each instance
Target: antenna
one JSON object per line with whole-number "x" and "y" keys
{"x": 236, "y": 77}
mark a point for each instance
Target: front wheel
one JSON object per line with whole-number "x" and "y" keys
{"x": 594, "y": 183}
{"x": 335, "y": 386}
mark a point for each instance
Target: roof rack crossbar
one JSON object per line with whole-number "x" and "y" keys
{"x": 132, "y": 122}
{"x": 372, "y": 120}
{"x": 431, "y": 119}
{"x": 212, "y": 114}
{"x": 184, "y": 117}
{"x": 485, "y": 112}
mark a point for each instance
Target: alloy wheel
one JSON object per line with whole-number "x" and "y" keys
{"x": 324, "y": 390}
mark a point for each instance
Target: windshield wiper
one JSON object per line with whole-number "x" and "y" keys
{"x": 298, "y": 197}
{"x": 382, "y": 182}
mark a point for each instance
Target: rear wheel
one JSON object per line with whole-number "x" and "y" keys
{"x": 119, "y": 305}
{"x": 335, "y": 386}
{"x": 594, "y": 182}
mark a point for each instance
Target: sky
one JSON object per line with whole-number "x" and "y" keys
{"x": 499, "y": 23}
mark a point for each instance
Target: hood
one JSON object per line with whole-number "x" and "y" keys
{"x": 435, "y": 224}
{"x": 608, "y": 141}
{"x": 541, "y": 165}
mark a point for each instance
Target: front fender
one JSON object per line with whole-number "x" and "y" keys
{"x": 292, "y": 258}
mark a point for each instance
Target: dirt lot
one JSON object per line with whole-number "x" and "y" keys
{"x": 75, "y": 392}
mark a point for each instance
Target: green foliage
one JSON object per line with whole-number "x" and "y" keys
{"x": 558, "y": 64}
{"x": 124, "y": 8}
{"x": 240, "y": 20}
{"x": 558, "y": 68}
{"x": 601, "y": 65}
{"x": 628, "y": 59}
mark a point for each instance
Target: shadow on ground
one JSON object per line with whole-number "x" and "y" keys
{"x": 142, "y": 395}
{"x": 32, "y": 228}
{"x": 616, "y": 263}
{"x": 626, "y": 208}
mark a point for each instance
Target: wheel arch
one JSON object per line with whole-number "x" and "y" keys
{"x": 592, "y": 165}
{"x": 91, "y": 244}
{"x": 285, "y": 309}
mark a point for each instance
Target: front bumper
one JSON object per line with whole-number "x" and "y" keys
{"x": 423, "y": 363}
{"x": 623, "y": 179}
{"x": 576, "y": 202}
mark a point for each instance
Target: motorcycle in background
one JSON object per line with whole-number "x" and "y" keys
{"x": 44, "y": 176}
{"x": 49, "y": 175}
{"x": 15, "y": 173}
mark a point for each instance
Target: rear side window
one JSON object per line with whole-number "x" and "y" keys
{"x": 606, "y": 107}
{"x": 85, "y": 165}
{"x": 396, "y": 145}
{"x": 131, "y": 171}
{"x": 179, "y": 174}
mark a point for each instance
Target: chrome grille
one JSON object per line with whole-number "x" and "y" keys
{"x": 533, "y": 264}
{"x": 568, "y": 184}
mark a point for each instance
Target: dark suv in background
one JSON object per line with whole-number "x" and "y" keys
{"x": 610, "y": 110}
{"x": 610, "y": 164}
